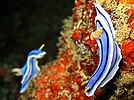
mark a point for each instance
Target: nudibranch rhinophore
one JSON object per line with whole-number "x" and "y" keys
{"x": 109, "y": 53}
{"x": 30, "y": 69}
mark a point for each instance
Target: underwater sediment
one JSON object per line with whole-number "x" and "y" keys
{"x": 78, "y": 56}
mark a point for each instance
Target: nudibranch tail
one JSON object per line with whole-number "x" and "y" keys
{"x": 108, "y": 61}
{"x": 23, "y": 87}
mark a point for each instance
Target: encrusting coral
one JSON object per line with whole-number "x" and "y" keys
{"x": 78, "y": 56}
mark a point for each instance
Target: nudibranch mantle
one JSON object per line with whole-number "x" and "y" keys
{"x": 109, "y": 52}
{"x": 30, "y": 69}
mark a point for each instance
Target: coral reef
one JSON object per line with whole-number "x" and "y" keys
{"x": 78, "y": 56}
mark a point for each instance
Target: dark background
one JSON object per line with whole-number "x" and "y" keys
{"x": 25, "y": 25}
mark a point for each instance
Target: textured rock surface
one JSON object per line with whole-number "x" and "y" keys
{"x": 78, "y": 56}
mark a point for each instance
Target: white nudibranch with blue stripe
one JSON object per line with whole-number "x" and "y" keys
{"x": 109, "y": 53}
{"x": 30, "y": 69}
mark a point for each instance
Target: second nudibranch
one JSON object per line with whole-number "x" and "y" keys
{"x": 109, "y": 53}
{"x": 30, "y": 69}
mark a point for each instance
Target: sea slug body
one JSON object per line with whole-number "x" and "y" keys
{"x": 109, "y": 53}
{"x": 30, "y": 69}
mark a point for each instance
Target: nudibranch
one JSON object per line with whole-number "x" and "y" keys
{"x": 30, "y": 69}
{"x": 109, "y": 52}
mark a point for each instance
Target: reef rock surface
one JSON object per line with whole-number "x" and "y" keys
{"x": 78, "y": 57}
